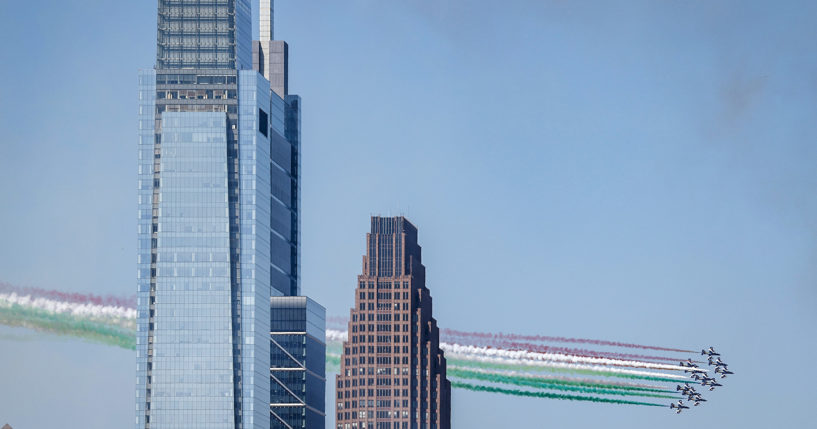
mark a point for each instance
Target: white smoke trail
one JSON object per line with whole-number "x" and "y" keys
{"x": 559, "y": 365}
{"x": 338, "y": 336}
{"x": 558, "y": 357}
{"x": 466, "y": 350}
{"x": 106, "y": 313}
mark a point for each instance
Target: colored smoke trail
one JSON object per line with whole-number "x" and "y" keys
{"x": 337, "y": 321}
{"x": 88, "y": 316}
{"x": 63, "y": 324}
{"x": 557, "y": 357}
{"x": 470, "y": 352}
{"x": 498, "y": 363}
{"x": 111, "y": 315}
{"x": 574, "y": 367}
{"x": 78, "y": 298}
{"x": 525, "y": 382}
{"x": 543, "y": 338}
{"x": 336, "y": 336}
{"x": 539, "y": 348}
{"x": 466, "y": 357}
{"x": 514, "y": 392}
{"x": 570, "y": 381}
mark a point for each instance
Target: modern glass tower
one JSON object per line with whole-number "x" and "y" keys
{"x": 218, "y": 224}
{"x": 297, "y": 363}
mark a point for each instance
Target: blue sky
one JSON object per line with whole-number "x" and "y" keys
{"x": 637, "y": 171}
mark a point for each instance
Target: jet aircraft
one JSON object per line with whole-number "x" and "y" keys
{"x": 685, "y": 389}
{"x": 723, "y": 371}
{"x": 713, "y": 384}
{"x": 679, "y": 406}
{"x": 710, "y": 352}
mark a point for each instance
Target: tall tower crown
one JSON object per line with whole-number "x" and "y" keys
{"x": 204, "y": 35}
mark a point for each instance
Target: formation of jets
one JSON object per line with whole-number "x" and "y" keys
{"x": 690, "y": 393}
{"x": 699, "y": 375}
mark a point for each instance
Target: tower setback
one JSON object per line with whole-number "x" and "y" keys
{"x": 392, "y": 372}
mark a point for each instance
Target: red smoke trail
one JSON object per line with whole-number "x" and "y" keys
{"x": 79, "y": 298}
{"x": 337, "y": 321}
{"x": 538, "y": 348}
{"x": 515, "y": 337}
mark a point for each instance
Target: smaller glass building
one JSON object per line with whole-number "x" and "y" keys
{"x": 297, "y": 363}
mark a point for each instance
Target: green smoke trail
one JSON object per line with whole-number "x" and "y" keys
{"x": 541, "y": 384}
{"x": 521, "y": 367}
{"x": 569, "y": 381}
{"x": 61, "y": 324}
{"x": 332, "y": 362}
{"x": 492, "y": 389}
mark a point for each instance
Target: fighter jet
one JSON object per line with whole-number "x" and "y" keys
{"x": 723, "y": 371}
{"x": 685, "y": 389}
{"x": 697, "y": 376}
{"x": 688, "y": 363}
{"x": 713, "y": 384}
{"x": 697, "y": 398}
{"x": 679, "y": 406}
{"x": 692, "y": 367}
{"x": 716, "y": 362}
{"x": 710, "y": 352}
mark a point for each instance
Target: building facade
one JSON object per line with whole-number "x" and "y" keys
{"x": 392, "y": 372}
{"x": 297, "y": 363}
{"x": 218, "y": 224}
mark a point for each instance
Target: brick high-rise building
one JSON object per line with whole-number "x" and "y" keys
{"x": 392, "y": 372}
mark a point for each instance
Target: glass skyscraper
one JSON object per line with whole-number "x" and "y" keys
{"x": 218, "y": 221}
{"x": 297, "y": 363}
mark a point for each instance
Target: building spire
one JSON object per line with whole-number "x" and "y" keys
{"x": 266, "y": 13}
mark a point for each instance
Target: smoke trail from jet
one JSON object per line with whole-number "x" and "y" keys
{"x": 539, "y": 348}
{"x": 79, "y": 298}
{"x": 499, "y": 363}
{"x": 526, "y": 382}
{"x": 515, "y": 341}
{"x": 63, "y": 324}
{"x": 464, "y": 357}
{"x": 112, "y": 315}
{"x": 569, "y": 381}
{"x": 543, "y": 338}
{"x": 574, "y": 367}
{"x": 514, "y": 392}
{"x": 87, "y": 316}
{"x": 557, "y": 357}
{"x": 338, "y": 336}
{"x": 459, "y": 349}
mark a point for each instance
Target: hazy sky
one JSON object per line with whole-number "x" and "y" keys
{"x": 639, "y": 171}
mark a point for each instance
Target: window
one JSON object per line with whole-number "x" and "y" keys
{"x": 263, "y": 122}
